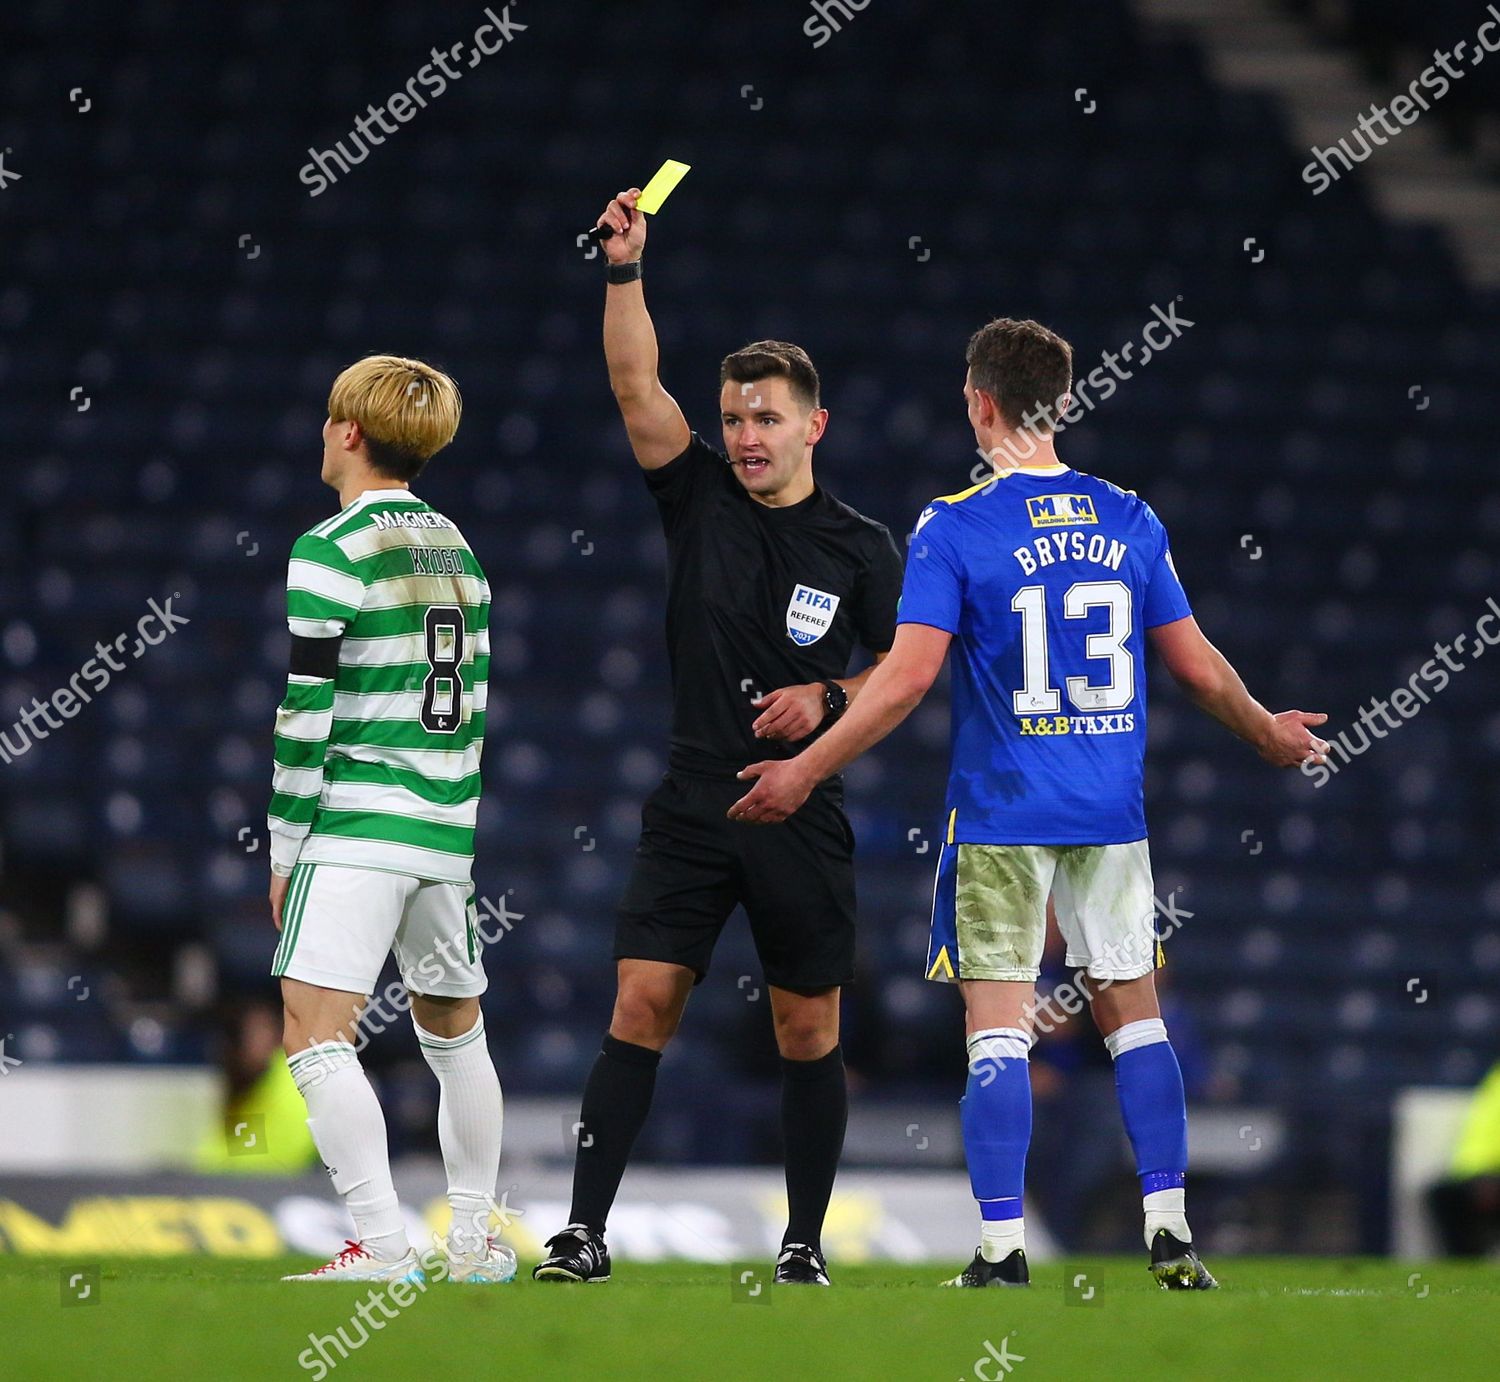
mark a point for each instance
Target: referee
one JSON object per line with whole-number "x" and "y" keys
{"x": 771, "y": 582}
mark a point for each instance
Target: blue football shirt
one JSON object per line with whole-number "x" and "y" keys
{"x": 1048, "y": 581}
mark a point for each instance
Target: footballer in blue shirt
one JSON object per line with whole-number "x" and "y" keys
{"x": 1047, "y": 584}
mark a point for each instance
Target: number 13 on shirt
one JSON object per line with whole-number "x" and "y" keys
{"x": 1037, "y": 695}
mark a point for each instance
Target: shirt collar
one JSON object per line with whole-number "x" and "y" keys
{"x": 383, "y": 494}
{"x": 1040, "y": 471}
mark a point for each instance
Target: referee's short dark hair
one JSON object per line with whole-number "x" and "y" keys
{"x": 773, "y": 360}
{"x": 1025, "y": 368}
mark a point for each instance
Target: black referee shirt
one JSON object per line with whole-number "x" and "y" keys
{"x": 758, "y": 598}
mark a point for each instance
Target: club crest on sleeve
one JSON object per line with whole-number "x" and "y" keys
{"x": 809, "y": 614}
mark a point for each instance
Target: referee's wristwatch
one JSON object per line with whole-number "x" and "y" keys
{"x": 835, "y": 701}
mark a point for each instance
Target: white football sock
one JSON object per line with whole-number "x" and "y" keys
{"x": 998, "y": 1238}
{"x": 1133, "y": 1035}
{"x": 348, "y": 1127}
{"x": 1165, "y": 1209}
{"x": 470, "y": 1121}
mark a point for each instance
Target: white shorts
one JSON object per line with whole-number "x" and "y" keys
{"x": 989, "y": 910}
{"x": 339, "y": 924}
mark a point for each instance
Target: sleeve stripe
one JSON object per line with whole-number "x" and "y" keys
{"x": 293, "y": 810}
{"x": 297, "y": 781}
{"x": 306, "y": 698}
{"x": 338, "y": 587}
{"x": 304, "y": 627}
{"x": 304, "y": 604}
{"x": 301, "y": 753}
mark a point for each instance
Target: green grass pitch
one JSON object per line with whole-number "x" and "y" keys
{"x": 1291, "y": 1318}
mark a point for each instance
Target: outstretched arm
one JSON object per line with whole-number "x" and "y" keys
{"x": 1212, "y": 684}
{"x": 657, "y": 429}
{"x": 893, "y": 691}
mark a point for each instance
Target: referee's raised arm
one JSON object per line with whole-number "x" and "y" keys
{"x": 657, "y": 429}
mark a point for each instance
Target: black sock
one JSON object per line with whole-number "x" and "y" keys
{"x": 616, "y": 1100}
{"x": 814, "y": 1112}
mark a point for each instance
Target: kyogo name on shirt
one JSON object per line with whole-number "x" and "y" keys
{"x": 436, "y": 561}
{"x": 1122, "y": 723}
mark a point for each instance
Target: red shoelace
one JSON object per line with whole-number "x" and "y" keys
{"x": 350, "y": 1252}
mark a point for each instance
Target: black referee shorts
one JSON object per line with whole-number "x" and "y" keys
{"x": 694, "y": 865}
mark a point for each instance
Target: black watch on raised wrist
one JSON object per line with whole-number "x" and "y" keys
{"x": 628, "y": 272}
{"x": 835, "y": 701}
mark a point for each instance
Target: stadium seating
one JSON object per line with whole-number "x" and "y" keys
{"x": 175, "y": 306}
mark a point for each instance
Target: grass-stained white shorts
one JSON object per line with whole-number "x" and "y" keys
{"x": 339, "y": 923}
{"x": 989, "y": 910}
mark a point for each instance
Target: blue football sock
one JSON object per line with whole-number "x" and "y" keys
{"x": 1149, "y": 1084}
{"x": 995, "y": 1113}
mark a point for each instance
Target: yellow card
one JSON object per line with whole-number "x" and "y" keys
{"x": 655, "y": 192}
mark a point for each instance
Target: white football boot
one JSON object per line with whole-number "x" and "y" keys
{"x": 354, "y": 1262}
{"x": 495, "y": 1265}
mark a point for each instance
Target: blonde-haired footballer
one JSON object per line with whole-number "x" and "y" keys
{"x": 372, "y": 818}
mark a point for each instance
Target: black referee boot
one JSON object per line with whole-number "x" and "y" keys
{"x": 578, "y": 1254}
{"x": 801, "y": 1265}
